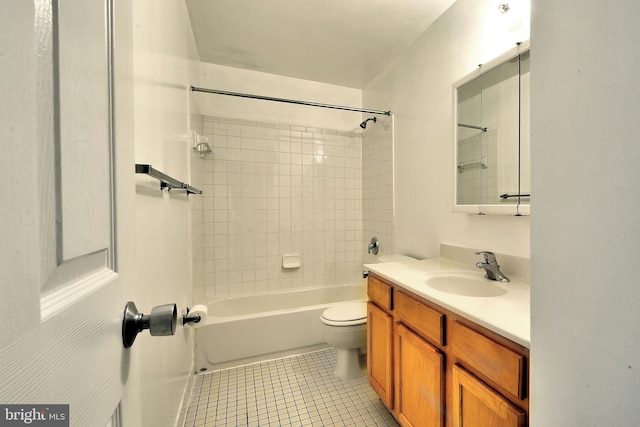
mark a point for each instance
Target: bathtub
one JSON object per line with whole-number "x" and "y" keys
{"x": 256, "y": 327}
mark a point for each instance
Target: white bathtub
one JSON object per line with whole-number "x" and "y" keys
{"x": 255, "y": 327}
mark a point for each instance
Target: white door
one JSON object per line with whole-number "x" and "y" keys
{"x": 64, "y": 278}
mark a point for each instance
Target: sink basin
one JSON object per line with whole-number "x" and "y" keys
{"x": 466, "y": 284}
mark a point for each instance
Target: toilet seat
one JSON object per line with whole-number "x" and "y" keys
{"x": 345, "y": 314}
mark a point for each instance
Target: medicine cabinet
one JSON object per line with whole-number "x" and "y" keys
{"x": 492, "y": 137}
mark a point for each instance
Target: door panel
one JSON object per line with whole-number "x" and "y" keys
{"x": 84, "y": 129}
{"x": 62, "y": 297}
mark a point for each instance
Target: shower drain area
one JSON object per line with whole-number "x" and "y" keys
{"x": 293, "y": 391}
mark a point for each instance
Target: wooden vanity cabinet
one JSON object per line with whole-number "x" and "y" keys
{"x": 419, "y": 378}
{"x": 488, "y": 379}
{"x": 495, "y": 363}
{"x": 431, "y": 367}
{"x": 419, "y": 365}
{"x": 380, "y": 340}
{"x": 380, "y": 352}
{"x": 475, "y": 404}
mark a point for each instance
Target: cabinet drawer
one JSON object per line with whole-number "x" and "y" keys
{"x": 379, "y": 293}
{"x": 496, "y": 362}
{"x": 422, "y": 319}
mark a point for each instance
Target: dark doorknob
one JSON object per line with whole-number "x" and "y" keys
{"x": 161, "y": 322}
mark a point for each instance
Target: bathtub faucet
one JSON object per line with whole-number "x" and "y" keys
{"x": 373, "y": 246}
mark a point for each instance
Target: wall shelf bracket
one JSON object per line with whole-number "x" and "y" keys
{"x": 166, "y": 181}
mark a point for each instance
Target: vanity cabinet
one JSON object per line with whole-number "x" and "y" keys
{"x": 419, "y": 372}
{"x": 380, "y": 340}
{"x": 419, "y": 365}
{"x": 475, "y": 404}
{"x": 432, "y": 367}
{"x": 499, "y": 366}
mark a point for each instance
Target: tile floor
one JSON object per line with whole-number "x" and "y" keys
{"x": 293, "y": 391}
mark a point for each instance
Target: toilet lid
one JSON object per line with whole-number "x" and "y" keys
{"x": 345, "y": 314}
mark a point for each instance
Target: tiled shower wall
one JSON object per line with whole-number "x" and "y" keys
{"x": 196, "y": 204}
{"x": 272, "y": 189}
{"x": 377, "y": 184}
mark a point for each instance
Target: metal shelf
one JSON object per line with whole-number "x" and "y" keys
{"x": 166, "y": 181}
{"x": 471, "y": 165}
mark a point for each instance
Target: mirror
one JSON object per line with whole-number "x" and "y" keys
{"x": 492, "y": 169}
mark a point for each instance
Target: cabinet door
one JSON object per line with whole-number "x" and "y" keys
{"x": 380, "y": 353}
{"x": 477, "y": 405}
{"x": 420, "y": 380}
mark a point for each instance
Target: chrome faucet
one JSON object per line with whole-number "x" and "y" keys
{"x": 373, "y": 246}
{"x": 491, "y": 266}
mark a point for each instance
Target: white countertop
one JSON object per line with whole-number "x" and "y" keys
{"x": 507, "y": 315}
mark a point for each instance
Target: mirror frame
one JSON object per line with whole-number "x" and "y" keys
{"x": 482, "y": 209}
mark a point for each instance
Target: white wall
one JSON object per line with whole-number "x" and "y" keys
{"x": 377, "y": 186}
{"x": 257, "y": 83}
{"x": 165, "y": 61}
{"x": 585, "y": 232}
{"x": 417, "y": 87}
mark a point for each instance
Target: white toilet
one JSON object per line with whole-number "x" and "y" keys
{"x": 345, "y": 328}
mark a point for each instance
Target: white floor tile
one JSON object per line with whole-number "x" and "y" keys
{"x": 293, "y": 391}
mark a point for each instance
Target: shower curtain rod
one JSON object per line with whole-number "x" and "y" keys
{"x": 288, "y": 101}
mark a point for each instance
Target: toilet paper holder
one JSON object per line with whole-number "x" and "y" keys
{"x": 186, "y": 319}
{"x": 161, "y": 322}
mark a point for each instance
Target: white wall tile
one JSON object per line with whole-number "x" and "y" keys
{"x": 275, "y": 191}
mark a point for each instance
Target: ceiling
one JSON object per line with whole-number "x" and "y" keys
{"x": 342, "y": 42}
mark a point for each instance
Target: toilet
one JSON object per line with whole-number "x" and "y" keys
{"x": 344, "y": 326}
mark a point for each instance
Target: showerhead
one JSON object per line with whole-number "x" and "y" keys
{"x": 363, "y": 125}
